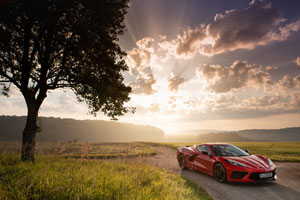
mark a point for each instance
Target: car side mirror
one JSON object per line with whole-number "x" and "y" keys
{"x": 247, "y": 150}
{"x": 204, "y": 152}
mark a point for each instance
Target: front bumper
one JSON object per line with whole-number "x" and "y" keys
{"x": 255, "y": 176}
{"x": 250, "y": 176}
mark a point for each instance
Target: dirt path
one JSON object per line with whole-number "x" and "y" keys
{"x": 286, "y": 187}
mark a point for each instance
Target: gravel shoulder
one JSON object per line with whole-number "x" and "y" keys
{"x": 286, "y": 187}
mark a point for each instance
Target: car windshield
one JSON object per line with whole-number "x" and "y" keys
{"x": 228, "y": 150}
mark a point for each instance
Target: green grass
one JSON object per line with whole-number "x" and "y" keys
{"x": 276, "y": 151}
{"x": 88, "y": 150}
{"x": 54, "y": 177}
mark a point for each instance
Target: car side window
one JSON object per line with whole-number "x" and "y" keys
{"x": 200, "y": 148}
{"x": 204, "y": 148}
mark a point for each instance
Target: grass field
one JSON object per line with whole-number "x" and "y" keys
{"x": 60, "y": 177}
{"x": 87, "y": 150}
{"x": 276, "y": 151}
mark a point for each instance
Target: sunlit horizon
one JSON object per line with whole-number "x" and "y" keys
{"x": 193, "y": 68}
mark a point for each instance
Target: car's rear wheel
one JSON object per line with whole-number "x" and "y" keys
{"x": 181, "y": 161}
{"x": 220, "y": 173}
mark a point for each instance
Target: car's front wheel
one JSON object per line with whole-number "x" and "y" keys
{"x": 220, "y": 173}
{"x": 181, "y": 161}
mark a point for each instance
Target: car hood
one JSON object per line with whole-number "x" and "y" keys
{"x": 251, "y": 161}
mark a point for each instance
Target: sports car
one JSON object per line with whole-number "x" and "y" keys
{"x": 226, "y": 162}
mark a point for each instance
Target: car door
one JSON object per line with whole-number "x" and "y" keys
{"x": 204, "y": 162}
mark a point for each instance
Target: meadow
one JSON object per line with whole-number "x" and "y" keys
{"x": 276, "y": 151}
{"x": 86, "y": 150}
{"x": 57, "y": 175}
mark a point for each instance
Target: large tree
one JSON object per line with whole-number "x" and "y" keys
{"x": 51, "y": 44}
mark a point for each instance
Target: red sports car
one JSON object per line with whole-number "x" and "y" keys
{"x": 227, "y": 162}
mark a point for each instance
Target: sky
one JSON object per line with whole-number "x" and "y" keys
{"x": 202, "y": 64}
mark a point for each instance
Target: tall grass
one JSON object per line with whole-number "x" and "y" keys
{"x": 53, "y": 177}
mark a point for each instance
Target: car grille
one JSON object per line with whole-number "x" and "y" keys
{"x": 255, "y": 176}
{"x": 238, "y": 174}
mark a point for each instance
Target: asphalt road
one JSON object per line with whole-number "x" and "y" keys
{"x": 286, "y": 187}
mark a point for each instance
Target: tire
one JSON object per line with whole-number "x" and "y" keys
{"x": 220, "y": 173}
{"x": 181, "y": 161}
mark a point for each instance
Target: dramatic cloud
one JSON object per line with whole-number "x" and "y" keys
{"x": 175, "y": 82}
{"x": 243, "y": 29}
{"x": 162, "y": 72}
{"x": 187, "y": 43}
{"x": 223, "y": 79}
{"x": 140, "y": 57}
{"x": 143, "y": 85}
{"x": 259, "y": 24}
{"x": 139, "y": 62}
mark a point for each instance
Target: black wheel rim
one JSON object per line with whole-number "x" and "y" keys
{"x": 181, "y": 161}
{"x": 219, "y": 173}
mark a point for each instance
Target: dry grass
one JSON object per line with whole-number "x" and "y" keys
{"x": 87, "y": 150}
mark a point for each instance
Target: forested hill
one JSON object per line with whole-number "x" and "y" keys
{"x": 286, "y": 134}
{"x": 57, "y": 129}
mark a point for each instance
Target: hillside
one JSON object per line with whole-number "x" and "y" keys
{"x": 57, "y": 129}
{"x": 251, "y": 135}
{"x": 272, "y": 135}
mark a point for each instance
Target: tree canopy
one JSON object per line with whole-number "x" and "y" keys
{"x": 50, "y": 44}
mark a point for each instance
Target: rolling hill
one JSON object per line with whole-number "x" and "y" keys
{"x": 251, "y": 135}
{"x": 57, "y": 129}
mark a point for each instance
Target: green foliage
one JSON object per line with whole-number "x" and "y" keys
{"x": 52, "y": 177}
{"x": 276, "y": 151}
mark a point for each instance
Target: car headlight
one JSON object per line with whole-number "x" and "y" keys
{"x": 236, "y": 163}
{"x": 270, "y": 162}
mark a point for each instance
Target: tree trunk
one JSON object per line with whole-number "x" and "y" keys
{"x": 29, "y": 133}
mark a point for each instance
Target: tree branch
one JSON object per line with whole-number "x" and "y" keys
{"x": 10, "y": 79}
{"x": 7, "y": 81}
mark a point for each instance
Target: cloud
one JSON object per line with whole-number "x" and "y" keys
{"x": 139, "y": 62}
{"x": 243, "y": 29}
{"x": 271, "y": 68}
{"x": 295, "y": 100}
{"x": 257, "y": 25}
{"x": 223, "y": 79}
{"x": 175, "y": 82}
{"x": 297, "y": 61}
{"x": 288, "y": 83}
{"x": 187, "y": 43}
{"x": 140, "y": 57}
{"x": 143, "y": 85}
{"x": 285, "y": 31}
{"x": 262, "y": 101}
{"x": 154, "y": 107}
